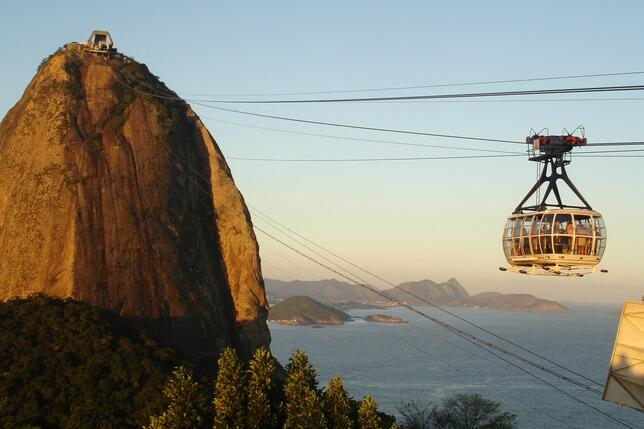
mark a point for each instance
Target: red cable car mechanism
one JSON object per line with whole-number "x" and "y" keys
{"x": 554, "y": 239}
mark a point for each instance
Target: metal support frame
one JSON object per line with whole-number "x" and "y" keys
{"x": 556, "y": 164}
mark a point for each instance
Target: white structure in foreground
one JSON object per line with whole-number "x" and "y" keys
{"x": 625, "y": 382}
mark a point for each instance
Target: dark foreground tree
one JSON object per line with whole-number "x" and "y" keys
{"x": 260, "y": 390}
{"x": 471, "y": 411}
{"x": 415, "y": 415}
{"x": 66, "y": 364}
{"x": 337, "y": 405}
{"x": 229, "y": 392}
{"x": 185, "y": 403}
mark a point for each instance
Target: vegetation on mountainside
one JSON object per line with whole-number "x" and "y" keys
{"x": 304, "y": 310}
{"x": 66, "y": 364}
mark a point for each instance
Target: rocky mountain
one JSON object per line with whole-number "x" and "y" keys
{"x": 449, "y": 293}
{"x": 303, "y": 310}
{"x": 117, "y": 197}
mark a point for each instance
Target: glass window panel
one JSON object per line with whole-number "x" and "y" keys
{"x": 508, "y": 228}
{"x": 563, "y": 224}
{"x": 546, "y": 224}
{"x": 546, "y": 243}
{"x": 507, "y": 247}
{"x": 516, "y": 230}
{"x": 600, "y": 228}
{"x": 583, "y": 225}
{"x": 536, "y": 223}
{"x": 563, "y": 230}
{"x": 516, "y": 247}
{"x": 600, "y": 246}
{"x": 583, "y": 245}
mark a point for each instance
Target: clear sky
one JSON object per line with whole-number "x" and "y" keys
{"x": 404, "y": 220}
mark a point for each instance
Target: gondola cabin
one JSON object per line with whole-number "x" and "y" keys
{"x": 553, "y": 238}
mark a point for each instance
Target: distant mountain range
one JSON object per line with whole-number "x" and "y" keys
{"x": 450, "y": 293}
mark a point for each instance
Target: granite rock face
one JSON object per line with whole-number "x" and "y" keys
{"x": 123, "y": 200}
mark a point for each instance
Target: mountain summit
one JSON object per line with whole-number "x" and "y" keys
{"x": 121, "y": 199}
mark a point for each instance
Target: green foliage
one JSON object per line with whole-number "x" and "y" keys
{"x": 185, "y": 403}
{"x": 67, "y": 364}
{"x": 299, "y": 367}
{"x": 260, "y": 390}
{"x": 303, "y": 404}
{"x": 337, "y": 405}
{"x": 306, "y": 310}
{"x": 229, "y": 391}
{"x": 367, "y": 414}
{"x": 471, "y": 411}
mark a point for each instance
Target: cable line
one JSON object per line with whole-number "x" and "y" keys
{"x": 414, "y": 158}
{"x": 583, "y": 90}
{"x": 441, "y": 85}
{"x": 370, "y": 273}
{"x": 280, "y": 130}
{"x": 157, "y": 94}
{"x": 469, "y": 337}
{"x": 472, "y": 339}
{"x": 417, "y": 158}
{"x": 482, "y": 343}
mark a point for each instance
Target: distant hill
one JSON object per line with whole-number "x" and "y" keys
{"x": 327, "y": 291}
{"x": 303, "y": 310}
{"x": 445, "y": 293}
{"x": 513, "y": 301}
{"x": 449, "y": 293}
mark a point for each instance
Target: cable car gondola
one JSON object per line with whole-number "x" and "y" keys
{"x": 554, "y": 239}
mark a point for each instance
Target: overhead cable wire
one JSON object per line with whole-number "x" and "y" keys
{"x": 158, "y": 94}
{"x": 440, "y": 308}
{"x": 416, "y": 158}
{"x": 336, "y": 137}
{"x": 440, "y": 85}
{"x": 472, "y": 339}
{"x": 515, "y": 93}
{"x": 483, "y": 344}
{"x": 432, "y": 355}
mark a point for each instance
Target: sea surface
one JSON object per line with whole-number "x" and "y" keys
{"x": 421, "y": 361}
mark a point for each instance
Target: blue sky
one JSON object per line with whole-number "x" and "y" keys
{"x": 405, "y": 220}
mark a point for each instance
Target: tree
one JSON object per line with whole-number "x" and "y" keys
{"x": 260, "y": 413}
{"x": 185, "y": 401}
{"x": 337, "y": 405}
{"x": 303, "y": 404}
{"x": 415, "y": 415}
{"x": 471, "y": 411}
{"x": 299, "y": 364}
{"x": 229, "y": 391}
{"x": 367, "y": 414}
{"x": 65, "y": 363}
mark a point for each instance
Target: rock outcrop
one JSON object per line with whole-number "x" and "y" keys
{"x": 115, "y": 196}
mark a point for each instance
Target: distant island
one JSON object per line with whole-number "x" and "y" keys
{"x": 303, "y": 310}
{"x": 384, "y": 318}
{"x": 451, "y": 293}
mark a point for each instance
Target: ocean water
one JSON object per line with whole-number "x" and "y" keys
{"x": 422, "y": 361}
